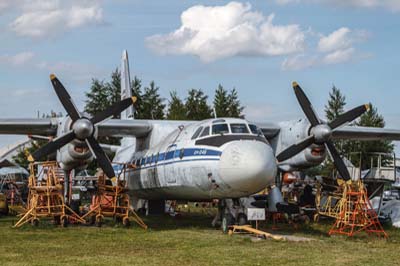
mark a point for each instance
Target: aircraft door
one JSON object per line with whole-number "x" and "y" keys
{"x": 169, "y": 166}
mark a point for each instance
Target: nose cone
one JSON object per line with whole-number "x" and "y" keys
{"x": 247, "y": 166}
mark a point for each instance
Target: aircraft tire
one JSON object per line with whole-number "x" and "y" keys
{"x": 99, "y": 220}
{"x": 64, "y": 221}
{"x": 242, "y": 219}
{"x": 35, "y": 222}
{"x": 126, "y": 222}
{"x": 227, "y": 220}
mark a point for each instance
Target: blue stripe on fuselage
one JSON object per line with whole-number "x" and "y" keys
{"x": 169, "y": 157}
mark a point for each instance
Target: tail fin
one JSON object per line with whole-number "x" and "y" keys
{"x": 126, "y": 91}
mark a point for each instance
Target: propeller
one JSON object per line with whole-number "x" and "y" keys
{"x": 82, "y": 128}
{"x": 321, "y": 132}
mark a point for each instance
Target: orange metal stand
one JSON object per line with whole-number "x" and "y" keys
{"x": 113, "y": 201}
{"x": 356, "y": 213}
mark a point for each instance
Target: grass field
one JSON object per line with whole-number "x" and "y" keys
{"x": 187, "y": 240}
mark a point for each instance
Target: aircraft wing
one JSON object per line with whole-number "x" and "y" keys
{"x": 48, "y": 127}
{"x": 365, "y": 133}
{"x": 29, "y": 126}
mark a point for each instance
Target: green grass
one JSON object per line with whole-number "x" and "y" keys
{"x": 186, "y": 240}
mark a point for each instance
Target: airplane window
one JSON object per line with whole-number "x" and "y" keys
{"x": 220, "y": 129}
{"x": 205, "y": 132}
{"x": 148, "y": 160}
{"x": 182, "y": 153}
{"x": 253, "y": 129}
{"x": 161, "y": 156}
{"x": 197, "y": 133}
{"x": 239, "y": 128}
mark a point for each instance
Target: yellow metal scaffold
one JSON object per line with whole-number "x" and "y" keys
{"x": 328, "y": 203}
{"x": 45, "y": 198}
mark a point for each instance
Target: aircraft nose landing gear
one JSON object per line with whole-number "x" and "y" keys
{"x": 230, "y": 212}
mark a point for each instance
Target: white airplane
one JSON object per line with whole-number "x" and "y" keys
{"x": 221, "y": 158}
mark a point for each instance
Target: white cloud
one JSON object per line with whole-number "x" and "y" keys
{"x": 7, "y": 4}
{"x": 299, "y": 62}
{"x": 335, "y": 48}
{"x": 339, "y": 56}
{"x": 51, "y": 17}
{"x": 339, "y": 39}
{"x": 215, "y": 32}
{"x": 392, "y": 5}
{"x": 17, "y": 59}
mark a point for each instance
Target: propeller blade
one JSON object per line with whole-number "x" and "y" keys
{"x": 295, "y": 149}
{"x": 115, "y": 109}
{"x": 52, "y": 146}
{"x": 65, "y": 98}
{"x": 101, "y": 157}
{"x": 339, "y": 163}
{"x": 305, "y": 105}
{"x": 349, "y": 116}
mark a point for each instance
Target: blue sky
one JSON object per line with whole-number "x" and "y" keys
{"x": 258, "y": 47}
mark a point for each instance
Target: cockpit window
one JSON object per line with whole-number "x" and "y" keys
{"x": 253, "y": 129}
{"x": 205, "y": 132}
{"x": 197, "y": 133}
{"x": 220, "y": 129}
{"x": 239, "y": 128}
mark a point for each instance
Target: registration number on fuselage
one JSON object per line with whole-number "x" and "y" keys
{"x": 200, "y": 152}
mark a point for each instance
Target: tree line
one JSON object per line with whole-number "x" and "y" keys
{"x": 150, "y": 104}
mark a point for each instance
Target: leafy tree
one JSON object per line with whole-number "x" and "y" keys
{"x": 196, "y": 105}
{"x": 221, "y": 102}
{"x": 334, "y": 108}
{"x": 227, "y": 104}
{"x": 152, "y": 104}
{"x": 335, "y": 105}
{"x": 113, "y": 89}
{"x": 176, "y": 108}
{"x": 102, "y": 95}
{"x": 234, "y": 107}
{"x": 136, "y": 86}
{"x": 97, "y": 97}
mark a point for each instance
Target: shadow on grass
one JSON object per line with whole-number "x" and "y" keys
{"x": 182, "y": 221}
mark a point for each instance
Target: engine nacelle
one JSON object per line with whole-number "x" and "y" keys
{"x": 293, "y": 132}
{"x": 76, "y": 154}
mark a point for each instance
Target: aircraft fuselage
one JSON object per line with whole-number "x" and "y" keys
{"x": 216, "y": 158}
